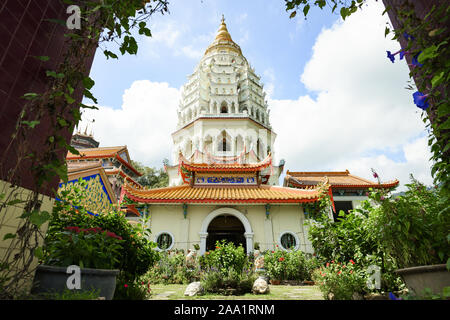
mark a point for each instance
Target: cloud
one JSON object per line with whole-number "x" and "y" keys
{"x": 361, "y": 117}
{"x": 144, "y": 123}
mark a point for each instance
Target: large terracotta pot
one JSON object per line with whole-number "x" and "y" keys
{"x": 434, "y": 277}
{"x": 52, "y": 279}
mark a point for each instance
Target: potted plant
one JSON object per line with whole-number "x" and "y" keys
{"x": 93, "y": 250}
{"x": 413, "y": 229}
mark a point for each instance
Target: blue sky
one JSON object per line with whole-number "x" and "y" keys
{"x": 268, "y": 38}
{"x": 336, "y": 101}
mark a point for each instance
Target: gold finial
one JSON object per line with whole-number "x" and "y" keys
{"x": 223, "y": 18}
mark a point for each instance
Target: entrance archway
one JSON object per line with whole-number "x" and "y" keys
{"x": 230, "y": 213}
{"x": 225, "y": 227}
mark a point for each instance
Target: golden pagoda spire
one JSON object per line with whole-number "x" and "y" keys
{"x": 222, "y": 33}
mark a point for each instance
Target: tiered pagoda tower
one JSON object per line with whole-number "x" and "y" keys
{"x": 223, "y": 116}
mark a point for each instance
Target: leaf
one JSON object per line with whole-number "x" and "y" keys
{"x": 42, "y": 58}
{"x": 88, "y": 82}
{"x": 437, "y": 79}
{"x": 54, "y": 74}
{"x": 109, "y": 54}
{"x": 293, "y": 14}
{"x": 9, "y": 236}
{"x": 386, "y": 31}
{"x": 31, "y": 124}
{"x": 30, "y": 96}
{"x": 69, "y": 99}
{"x": 89, "y": 95}
{"x": 306, "y": 9}
{"x": 445, "y": 125}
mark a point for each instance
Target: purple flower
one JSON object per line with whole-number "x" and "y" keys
{"x": 393, "y": 297}
{"x": 420, "y": 100}
{"x": 402, "y": 54}
{"x": 375, "y": 175}
{"x": 382, "y": 198}
{"x": 391, "y": 56}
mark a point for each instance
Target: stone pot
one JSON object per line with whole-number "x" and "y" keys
{"x": 52, "y": 279}
{"x": 435, "y": 277}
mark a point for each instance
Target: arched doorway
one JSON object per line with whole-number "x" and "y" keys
{"x": 229, "y": 212}
{"x": 225, "y": 227}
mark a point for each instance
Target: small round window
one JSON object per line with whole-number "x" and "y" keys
{"x": 289, "y": 241}
{"x": 164, "y": 241}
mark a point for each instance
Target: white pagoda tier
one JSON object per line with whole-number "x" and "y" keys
{"x": 223, "y": 116}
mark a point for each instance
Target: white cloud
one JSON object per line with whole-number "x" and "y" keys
{"x": 144, "y": 122}
{"x": 361, "y": 106}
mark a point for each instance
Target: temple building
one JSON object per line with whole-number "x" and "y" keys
{"x": 347, "y": 190}
{"x": 223, "y": 180}
{"x": 223, "y": 183}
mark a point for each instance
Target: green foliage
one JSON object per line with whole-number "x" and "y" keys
{"x": 339, "y": 281}
{"x": 137, "y": 254}
{"x": 151, "y": 177}
{"x": 68, "y": 295}
{"x": 289, "y": 265}
{"x": 412, "y": 228}
{"x": 172, "y": 269}
{"x": 138, "y": 289}
{"x": 225, "y": 257}
{"x": 87, "y": 248}
{"x": 230, "y": 282}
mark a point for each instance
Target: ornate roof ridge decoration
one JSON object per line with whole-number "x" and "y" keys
{"x": 185, "y": 193}
{"x": 339, "y": 179}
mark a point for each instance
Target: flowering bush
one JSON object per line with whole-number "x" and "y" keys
{"x": 135, "y": 290}
{"x": 340, "y": 281}
{"x": 137, "y": 253}
{"x": 87, "y": 248}
{"x": 288, "y": 265}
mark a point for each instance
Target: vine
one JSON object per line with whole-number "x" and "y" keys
{"x": 102, "y": 21}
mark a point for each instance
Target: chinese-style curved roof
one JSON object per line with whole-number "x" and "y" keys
{"x": 254, "y": 194}
{"x": 224, "y": 167}
{"x": 104, "y": 152}
{"x": 337, "y": 179}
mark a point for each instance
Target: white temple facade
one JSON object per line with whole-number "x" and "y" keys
{"x": 223, "y": 114}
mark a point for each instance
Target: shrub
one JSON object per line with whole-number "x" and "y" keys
{"x": 225, "y": 257}
{"x": 226, "y": 270}
{"x": 340, "y": 281}
{"x": 135, "y": 290}
{"x": 172, "y": 269}
{"x": 229, "y": 283}
{"x": 87, "y": 248}
{"x": 413, "y": 228}
{"x": 289, "y": 265}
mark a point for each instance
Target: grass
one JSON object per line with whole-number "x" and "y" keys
{"x": 281, "y": 292}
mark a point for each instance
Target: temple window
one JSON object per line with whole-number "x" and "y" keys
{"x": 165, "y": 241}
{"x": 289, "y": 241}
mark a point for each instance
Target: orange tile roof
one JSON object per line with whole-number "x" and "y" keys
{"x": 337, "y": 179}
{"x": 96, "y": 152}
{"x": 187, "y": 194}
{"x": 227, "y": 167}
{"x": 104, "y": 152}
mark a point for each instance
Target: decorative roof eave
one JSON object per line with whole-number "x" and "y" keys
{"x": 244, "y": 195}
{"x": 124, "y": 175}
{"x": 384, "y": 185}
{"x": 221, "y": 167}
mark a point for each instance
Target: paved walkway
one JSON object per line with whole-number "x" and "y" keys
{"x": 281, "y": 292}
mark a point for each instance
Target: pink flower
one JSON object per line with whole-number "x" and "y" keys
{"x": 125, "y": 285}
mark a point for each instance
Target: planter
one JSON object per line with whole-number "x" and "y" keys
{"x": 275, "y": 282}
{"x": 434, "y": 277}
{"x": 52, "y": 279}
